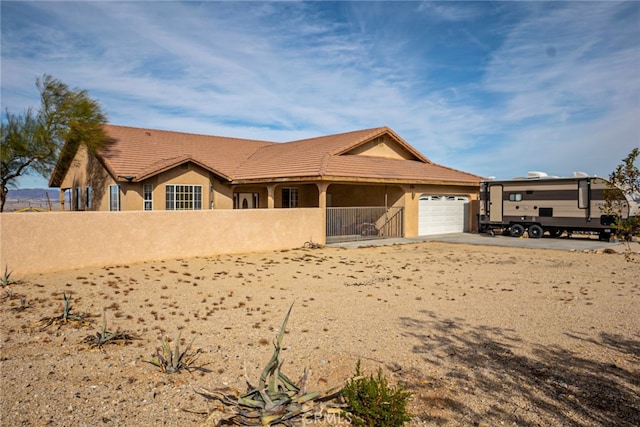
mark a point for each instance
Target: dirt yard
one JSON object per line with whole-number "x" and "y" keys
{"x": 482, "y": 335}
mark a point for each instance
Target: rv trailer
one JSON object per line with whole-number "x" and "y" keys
{"x": 539, "y": 204}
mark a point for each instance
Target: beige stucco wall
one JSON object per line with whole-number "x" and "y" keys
{"x": 41, "y": 242}
{"x": 383, "y": 147}
{"x": 86, "y": 171}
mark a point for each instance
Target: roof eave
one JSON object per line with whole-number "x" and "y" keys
{"x": 154, "y": 172}
{"x": 356, "y": 179}
{"x": 63, "y": 163}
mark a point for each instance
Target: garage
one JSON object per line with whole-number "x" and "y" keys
{"x": 441, "y": 214}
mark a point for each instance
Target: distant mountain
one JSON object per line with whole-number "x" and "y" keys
{"x": 33, "y": 193}
{"x": 19, "y": 199}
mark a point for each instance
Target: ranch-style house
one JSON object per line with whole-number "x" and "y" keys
{"x": 369, "y": 182}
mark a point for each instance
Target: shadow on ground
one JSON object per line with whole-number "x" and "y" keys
{"x": 485, "y": 380}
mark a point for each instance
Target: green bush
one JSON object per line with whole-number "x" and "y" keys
{"x": 373, "y": 403}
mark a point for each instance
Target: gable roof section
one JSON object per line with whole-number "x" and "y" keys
{"x": 166, "y": 164}
{"x": 376, "y": 133}
{"x": 60, "y": 169}
{"x": 303, "y": 158}
{"x": 329, "y": 157}
{"x": 312, "y": 157}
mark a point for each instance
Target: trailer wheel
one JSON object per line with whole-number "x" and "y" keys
{"x": 516, "y": 230}
{"x": 535, "y": 231}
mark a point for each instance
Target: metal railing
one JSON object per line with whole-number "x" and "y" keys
{"x": 364, "y": 223}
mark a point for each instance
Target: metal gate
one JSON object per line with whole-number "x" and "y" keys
{"x": 364, "y": 223}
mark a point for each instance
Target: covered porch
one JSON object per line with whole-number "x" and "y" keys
{"x": 316, "y": 195}
{"x": 353, "y": 211}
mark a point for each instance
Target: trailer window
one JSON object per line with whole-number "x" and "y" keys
{"x": 515, "y": 197}
{"x": 583, "y": 194}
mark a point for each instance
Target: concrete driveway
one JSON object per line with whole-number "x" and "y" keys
{"x": 580, "y": 243}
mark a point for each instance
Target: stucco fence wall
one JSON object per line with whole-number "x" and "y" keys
{"x": 42, "y": 242}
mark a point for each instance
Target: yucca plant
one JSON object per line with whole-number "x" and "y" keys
{"x": 373, "y": 403}
{"x": 99, "y": 339}
{"x": 65, "y": 317}
{"x": 5, "y": 280}
{"x": 8, "y": 293}
{"x": 275, "y": 400}
{"x": 174, "y": 360}
{"x": 23, "y": 305}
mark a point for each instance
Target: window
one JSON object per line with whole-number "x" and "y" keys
{"x": 114, "y": 197}
{"x": 515, "y": 197}
{"x": 88, "y": 197}
{"x": 77, "y": 198}
{"x": 289, "y": 197}
{"x": 147, "y": 195}
{"x": 183, "y": 197}
{"x": 583, "y": 194}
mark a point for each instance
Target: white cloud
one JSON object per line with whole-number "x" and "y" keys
{"x": 489, "y": 88}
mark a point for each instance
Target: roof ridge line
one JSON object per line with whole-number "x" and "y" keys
{"x": 189, "y": 133}
{"x": 332, "y": 135}
{"x": 361, "y": 140}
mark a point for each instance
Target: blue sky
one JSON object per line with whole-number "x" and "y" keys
{"x": 492, "y": 88}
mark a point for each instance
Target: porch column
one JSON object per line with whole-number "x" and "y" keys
{"x": 271, "y": 191}
{"x": 322, "y": 191}
{"x": 61, "y": 199}
{"x": 322, "y": 204}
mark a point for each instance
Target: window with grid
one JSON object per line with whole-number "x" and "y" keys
{"x": 114, "y": 197}
{"x": 289, "y": 197}
{"x": 183, "y": 197}
{"x": 147, "y": 195}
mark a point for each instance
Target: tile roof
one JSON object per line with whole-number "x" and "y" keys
{"x": 408, "y": 171}
{"x": 305, "y": 157}
{"x": 141, "y": 153}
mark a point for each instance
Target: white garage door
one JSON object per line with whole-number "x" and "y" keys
{"x": 442, "y": 214}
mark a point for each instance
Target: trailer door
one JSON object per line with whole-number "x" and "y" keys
{"x": 584, "y": 197}
{"x": 495, "y": 203}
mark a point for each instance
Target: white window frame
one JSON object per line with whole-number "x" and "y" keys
{"x": 183, "y": 197}
{"x": 114, "y": 197}
{"x": 147, "y": 197}
{"x": 290, "y": 197}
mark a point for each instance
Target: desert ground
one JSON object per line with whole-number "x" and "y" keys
{"x": 481, "y": 335}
